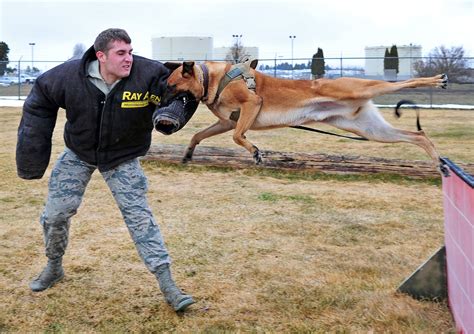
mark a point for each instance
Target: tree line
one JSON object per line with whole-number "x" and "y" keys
{"x": 77, "y": 52}
{"x": 287, "y": 66}
{"x": 441, "y": 59}
{"x": 451, "y": 61}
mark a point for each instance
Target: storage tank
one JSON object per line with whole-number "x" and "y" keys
{"x": 181, "y": 48}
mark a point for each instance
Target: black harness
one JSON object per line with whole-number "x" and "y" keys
{"x": 326, "y": 132}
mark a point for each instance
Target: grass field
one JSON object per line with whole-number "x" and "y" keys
{"x": 260, "y": 252}
{"x": 15, "y": 90}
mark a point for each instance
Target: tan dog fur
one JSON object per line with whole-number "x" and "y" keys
{"x": 344, "y": 103}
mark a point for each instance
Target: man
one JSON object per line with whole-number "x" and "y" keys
{"x": 109, "y": 96}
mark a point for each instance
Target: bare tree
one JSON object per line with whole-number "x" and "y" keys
{"x": 78, "y": 51}
{"x": 236, "y": 53}
{"x": 441, "y": 59}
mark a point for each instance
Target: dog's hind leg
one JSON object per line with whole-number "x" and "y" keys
{"x": 375, "y": 88}
{"x": 217, "y": 128}
{"x": 363, "y": 89}
{"x": 370, "y": 124}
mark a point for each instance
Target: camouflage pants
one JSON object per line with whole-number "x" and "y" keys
{"x": 128, "y": 183}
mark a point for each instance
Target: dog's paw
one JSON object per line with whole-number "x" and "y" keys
{"x": 188, "y": 156}
{"x": 443, "y": 169}
{"x": 257, "y": 157}
{"x": 443, "y": 81}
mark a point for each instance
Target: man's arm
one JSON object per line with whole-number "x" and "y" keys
{"x": 35, "y": 131}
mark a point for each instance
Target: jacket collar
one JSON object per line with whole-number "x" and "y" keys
{"x": 88, "y": 56}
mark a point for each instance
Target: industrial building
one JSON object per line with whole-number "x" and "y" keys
{"x": 408, "y": 55}
{"x": 180, "y": 48}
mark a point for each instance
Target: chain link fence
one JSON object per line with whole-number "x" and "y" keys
{"x": 460, "y": 91}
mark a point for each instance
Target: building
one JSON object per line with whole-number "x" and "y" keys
{"x": 180, "y": 48}
{"x": 407, "y": 56}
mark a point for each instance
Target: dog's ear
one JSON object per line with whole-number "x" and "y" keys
{"x": 254, "y": 63}
{"x": 188, "y": 68}
{"x": 172, "y": 65}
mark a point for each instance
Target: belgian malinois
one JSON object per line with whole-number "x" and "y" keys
{"x": 345, "y": 103}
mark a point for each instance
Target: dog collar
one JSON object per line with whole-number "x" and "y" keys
{"x": 205, "y": 74}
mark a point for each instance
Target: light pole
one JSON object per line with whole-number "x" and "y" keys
{"x": 292, "y": 38}
{"x": 237, "y": 37}
{"x": 237, "y": 54}
{"x": 411, "y": 61}
{"x": 32, "y": 55}
{"x": 19, "y": 86}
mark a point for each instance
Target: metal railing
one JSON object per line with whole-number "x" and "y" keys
{"x": 460, "y": 92}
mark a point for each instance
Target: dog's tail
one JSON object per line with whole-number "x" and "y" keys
{"x": 398, "y": 112}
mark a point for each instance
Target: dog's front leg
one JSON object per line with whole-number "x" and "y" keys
{"x": 217, "y": 128}
{"x": 248, "y": 113}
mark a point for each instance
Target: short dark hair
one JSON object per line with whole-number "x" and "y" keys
{"x": 103, "y": 40}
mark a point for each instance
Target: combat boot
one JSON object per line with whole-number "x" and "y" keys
{"x": 51, "y": 274}
{"x": 174, "y": 296}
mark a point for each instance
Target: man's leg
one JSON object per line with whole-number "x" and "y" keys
{"x": 67, "y": 184}
{"x": 128, "y": 184}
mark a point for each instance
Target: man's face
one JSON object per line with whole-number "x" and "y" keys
{"x": 116, "y": 63}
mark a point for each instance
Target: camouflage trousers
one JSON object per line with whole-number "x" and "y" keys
{"x": 128, "y": 184}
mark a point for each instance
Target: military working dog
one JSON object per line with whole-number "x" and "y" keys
{"x": 345, "y": 103}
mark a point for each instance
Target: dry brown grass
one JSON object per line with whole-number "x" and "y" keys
{"x": 260, "y": 253}
{"x": 14, "y": 90}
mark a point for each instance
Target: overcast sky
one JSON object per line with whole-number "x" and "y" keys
{"x": 338, "y": 27}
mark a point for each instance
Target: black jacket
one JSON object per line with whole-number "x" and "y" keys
{"x": 102, "y": 131}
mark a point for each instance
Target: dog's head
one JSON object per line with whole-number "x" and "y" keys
{"x": 183, "y": 79}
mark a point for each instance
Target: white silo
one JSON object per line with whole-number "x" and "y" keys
{"x": 181, "y": 48}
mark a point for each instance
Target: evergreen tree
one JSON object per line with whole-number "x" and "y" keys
{"x": 317, "y": 64}
{"x": 386, "y": 60}
{"x": 390, "y": 60}
{"x": 394, "y": 55}
{"x": 4, "y": 50}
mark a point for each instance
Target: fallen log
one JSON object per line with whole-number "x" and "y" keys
{"x": 318, "y": 162}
